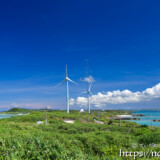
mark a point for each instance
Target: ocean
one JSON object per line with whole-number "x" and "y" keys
{"x": 7, "y": 115}
{"x": 148, "y": 118}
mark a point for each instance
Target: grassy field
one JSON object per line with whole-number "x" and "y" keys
{"x": 22, "y": 139}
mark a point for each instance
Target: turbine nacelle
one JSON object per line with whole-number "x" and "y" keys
{"x": 89, "y": 89}
{"x": 89, "y": 92}
{"x": 67, "y": 79}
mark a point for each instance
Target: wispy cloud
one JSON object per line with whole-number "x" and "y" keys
{"x": 30, "y": 106}
{"x": 44, "y": 89}
{"x": 38, "y": 83}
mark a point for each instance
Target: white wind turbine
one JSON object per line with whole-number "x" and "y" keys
{"x": 66, "y": 80}
{"x": 88, "y": 94}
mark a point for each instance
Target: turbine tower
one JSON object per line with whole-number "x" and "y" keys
{"x": 88, "y": 94}
{"x": 67, "y": 79}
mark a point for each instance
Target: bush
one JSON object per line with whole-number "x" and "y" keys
{"x": 110, "y": 122}
{"x": 150, "y": 139}
{"x": 144, "y": 126}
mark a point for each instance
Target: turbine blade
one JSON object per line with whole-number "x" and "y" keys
{"x": 66, "y": 71}
{"x": 72, "y": 81}
{"x": 90, "y": 86}
{"x": 60, "y": 83}
{"x": 84, "y": 92}
{"x": 91, "y": 93}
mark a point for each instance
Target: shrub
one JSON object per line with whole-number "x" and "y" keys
{"x": 150, "y": 139}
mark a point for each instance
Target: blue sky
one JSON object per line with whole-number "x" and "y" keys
{"x": 120, "y": 39}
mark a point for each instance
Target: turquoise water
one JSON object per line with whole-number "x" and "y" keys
{"x": 149, "y": 115}
{"x": 7, "y": 115}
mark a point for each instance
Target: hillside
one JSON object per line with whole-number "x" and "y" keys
{"x": 19, "y": 110}
{"x": 22, "y": 138}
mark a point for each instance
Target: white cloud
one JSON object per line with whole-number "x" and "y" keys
{"x": 119, "y": 97}
{"x": 72, "y": 101}
{"x": 89, "y": 79}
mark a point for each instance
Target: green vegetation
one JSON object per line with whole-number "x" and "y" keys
{"x": 22, "y": 139}
{"x": 19, "y": 110}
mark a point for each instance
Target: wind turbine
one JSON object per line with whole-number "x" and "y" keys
{"x": 89, "y": 93}
{"x": 67, "y": 79}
